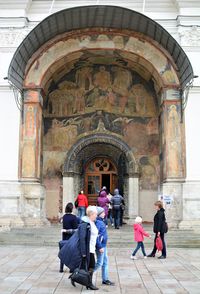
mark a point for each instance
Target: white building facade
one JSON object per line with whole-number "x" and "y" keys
{"x": 25, "y": 201}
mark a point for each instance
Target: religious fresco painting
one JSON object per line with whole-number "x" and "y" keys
{"x": 29, "y": 134}
{"x": 96, "y": 98}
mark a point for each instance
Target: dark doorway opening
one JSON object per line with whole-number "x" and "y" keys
{"x": 106, "y": 181}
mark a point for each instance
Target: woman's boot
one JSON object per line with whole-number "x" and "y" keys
{"x": 91, "y": 286}
{"x": 61, "y": 267}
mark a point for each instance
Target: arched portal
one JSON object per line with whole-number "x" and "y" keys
{"x": 121, "y": 169}
{"x": 102, "y": 82}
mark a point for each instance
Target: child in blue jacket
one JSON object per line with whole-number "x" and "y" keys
{"x": 101, "y": 247}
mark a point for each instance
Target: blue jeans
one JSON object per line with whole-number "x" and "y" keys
{"x": 139, "y": 245}
{"x": 81, "y": 211}
{"x": 110, "y": 216}
{"x": 102, "y": 261}
{"x": 117, "y": 217}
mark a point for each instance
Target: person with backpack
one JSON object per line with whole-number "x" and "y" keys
{"x": 159, "y": 228}
{"x": 81, "y": 203}
{"x": 116, "y": 202}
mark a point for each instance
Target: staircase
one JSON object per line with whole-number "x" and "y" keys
{"x": 123, "y": 238}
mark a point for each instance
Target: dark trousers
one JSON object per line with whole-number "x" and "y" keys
{"x": 121, "y": 216}
{"x": 61, "y": 244}
{"x": 117, "y": 213}
{"x": 92, "y": 262}
{"x": 162, "y": 236}
{"x": 139, "y": 245}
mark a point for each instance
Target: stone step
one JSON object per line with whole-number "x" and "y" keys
{"x": 123, "y": 238}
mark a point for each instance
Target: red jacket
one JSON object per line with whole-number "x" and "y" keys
{"x": 139, "y": 233}
{"x": 82, "y": 200}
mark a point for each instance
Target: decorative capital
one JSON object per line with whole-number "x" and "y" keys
{"x": 33, "y": 96}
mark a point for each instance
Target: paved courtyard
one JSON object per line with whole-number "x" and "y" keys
{"x": 35, "y": 270}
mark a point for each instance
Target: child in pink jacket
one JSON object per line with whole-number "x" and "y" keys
{"x": 139, "y": 234}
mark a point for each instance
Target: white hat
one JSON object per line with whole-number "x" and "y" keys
{"x": 100, "y": 210}
{"x": 91, "y": 209}
{"x": 138, "y": 220}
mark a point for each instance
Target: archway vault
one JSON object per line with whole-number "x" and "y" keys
{"x": 113, "y": 147}
{"x": 88, "y": 17}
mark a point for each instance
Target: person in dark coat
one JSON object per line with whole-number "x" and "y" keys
{"x": 116, "y": 202}
{"x": 159, "y": 229}
{"x": 80, "y": 248}
{"x": 70, "y": 224}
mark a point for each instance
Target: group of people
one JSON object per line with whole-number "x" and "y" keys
{"x": 85, "y": 237}
{"x": 113, "y": 206}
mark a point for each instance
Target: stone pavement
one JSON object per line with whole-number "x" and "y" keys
{"x": 34, "y": 270}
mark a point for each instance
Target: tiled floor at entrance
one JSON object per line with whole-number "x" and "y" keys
{"x": 34, "y": 270}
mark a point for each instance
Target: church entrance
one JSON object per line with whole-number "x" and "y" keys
{"x": 100, "y": 172}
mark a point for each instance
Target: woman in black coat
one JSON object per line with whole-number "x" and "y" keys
{"x": 70, "y": 224}
{"x": 80, "y": 248}
{"x": 159, "y": 228}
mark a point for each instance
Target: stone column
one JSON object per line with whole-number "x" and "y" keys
{"x": 32, "y": 202}
{"x": 68, "y": 189}
{"x": 133, "y": 196}
{"x": 30, "y": 141}
{"x": 172, "y": 155}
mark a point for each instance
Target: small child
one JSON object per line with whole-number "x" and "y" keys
{"x": 139, "y": 234}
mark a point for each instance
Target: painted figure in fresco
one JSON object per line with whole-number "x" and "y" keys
{"x": 84, "y": 78}
{"x": 175, "y": 160}
{"x": 173, "y": 123}
{"x": 101, "y": 126}
{"x": 69, "y": 102}
{"x": 124, "y": 122}
{"x": 144, "y": 100}
{"x": 101, "y": 102}
{"x": 91, "y": 98}
{"x": 131, "y": 101}
{"x": 122, "y": 79}
{"x": 87, "y": 123}
{"x": 123, "y": 101}
{"x": 28, "y": 159}
{"x": 102, "y": 78}
{"x": 54, "y": 101}
{"x": 111, "y": 98}
{"x": 29, "y": 122}
{"x": 79, "y": 105}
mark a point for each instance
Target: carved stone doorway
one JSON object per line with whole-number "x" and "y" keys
{"x": 100, "y": 172}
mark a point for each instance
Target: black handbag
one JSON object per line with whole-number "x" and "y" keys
{"x": 76, "y": 203}
{"x": 81, "y": 276}
{"x": 166, "y": 227}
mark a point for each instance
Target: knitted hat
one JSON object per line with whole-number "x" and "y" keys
{"x": 138, "y": 220}
{"x": 100, "y": 210}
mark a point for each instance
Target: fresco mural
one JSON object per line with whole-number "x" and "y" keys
{"x": 110, "y": 88}
{"x": 102, "y": 98}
